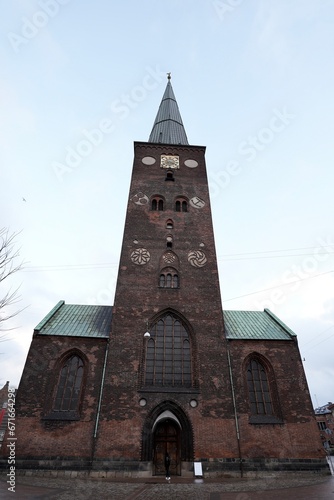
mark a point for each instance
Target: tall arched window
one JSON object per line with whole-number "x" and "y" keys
{"x": 258, "y": 389}
{"x": 168, "y": 354}
{"x": 181, "y": 205}
{"x": 157, "y": 204}
{"x": 67, "y": 396}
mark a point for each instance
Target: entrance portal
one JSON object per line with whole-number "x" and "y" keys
{"x": 167, "y": 440}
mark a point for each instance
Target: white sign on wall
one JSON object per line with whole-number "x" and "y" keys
{"x": 198, "y": 469}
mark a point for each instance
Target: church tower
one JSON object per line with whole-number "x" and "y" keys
{"x": 112, "y": 389}
{"x": 167, "y": 327}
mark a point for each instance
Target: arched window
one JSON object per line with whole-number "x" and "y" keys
{"x": 157, "y": 204}
{"x": 169, "y": 224}
{"x": 258, "y": 389}
{"x": 169, "y": 278}
{"x": 68, "y": 391}
{"x": 169, "y": 176}
{"x": 168, "y": 354}
{"x": 181, "y": 205}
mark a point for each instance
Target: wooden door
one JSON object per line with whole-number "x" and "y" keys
{"x": 167, "y": 440}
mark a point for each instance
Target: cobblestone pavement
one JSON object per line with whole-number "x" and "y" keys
{"x": 283, "y": 488}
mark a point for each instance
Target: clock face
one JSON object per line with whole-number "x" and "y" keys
{"x": 168, "y": 161}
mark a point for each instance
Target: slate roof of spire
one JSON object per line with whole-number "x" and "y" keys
{"x": 168, "y": 127}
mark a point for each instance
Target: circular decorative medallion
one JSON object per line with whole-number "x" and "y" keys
{"x": 148, "y": 160}
{"x": 142, "y": 402}
{"x": 197, "y": 202}
{"x": 139, "y": 198}
{"x": 191, "y": 163}
{"x": 197, "y": 258}
{"x": 140, "y": 256}
{"x": 169, "y": 257}
{"x": 193, "y": 403}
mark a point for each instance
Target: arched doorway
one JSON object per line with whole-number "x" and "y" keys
{"x": 167, "y": 428}
{"x": 167, "y": 440}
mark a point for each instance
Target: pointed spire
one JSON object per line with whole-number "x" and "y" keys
{"x": 168, "y": 127}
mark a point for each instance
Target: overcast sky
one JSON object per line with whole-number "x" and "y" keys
{"x": 80, "y": 81}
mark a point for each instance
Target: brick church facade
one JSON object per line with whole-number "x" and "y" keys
{"x": 165, "y": 369}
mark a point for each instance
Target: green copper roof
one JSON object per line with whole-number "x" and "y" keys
{"x": 76, "y": 321}
{"x": 168, "y": 127}
{"x": 95, "y": 321}
{"x": 255, "y": 325}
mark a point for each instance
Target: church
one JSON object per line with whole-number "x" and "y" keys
{"x": 166, "y": 369}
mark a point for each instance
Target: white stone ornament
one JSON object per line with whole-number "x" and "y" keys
{"x": 140, "y": 198}
{"x": 197, "y": 258}
{"x": 191, "y": 163}
{"x": 169, "y": 257}
{"x": 197, "y": 202}
{"x": 148, "y": 160}
{"x": 140, "y": 256}
{"x": 169, "y": 161}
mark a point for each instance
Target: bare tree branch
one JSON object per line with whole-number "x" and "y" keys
{"x": 8, "y": 266}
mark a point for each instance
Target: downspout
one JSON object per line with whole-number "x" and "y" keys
{"x": 234, "y": 408}
{"x": 100, "y": 401}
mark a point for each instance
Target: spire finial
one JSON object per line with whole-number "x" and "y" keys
{"x": 169, "y": 76}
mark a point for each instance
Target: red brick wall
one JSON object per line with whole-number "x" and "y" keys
{"x": 37, "y": 435}
{"x": 297, "y": 436}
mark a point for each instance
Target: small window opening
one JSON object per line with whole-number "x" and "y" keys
{"x": 169, "y": 241}
{"x": 169, "y": 176}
